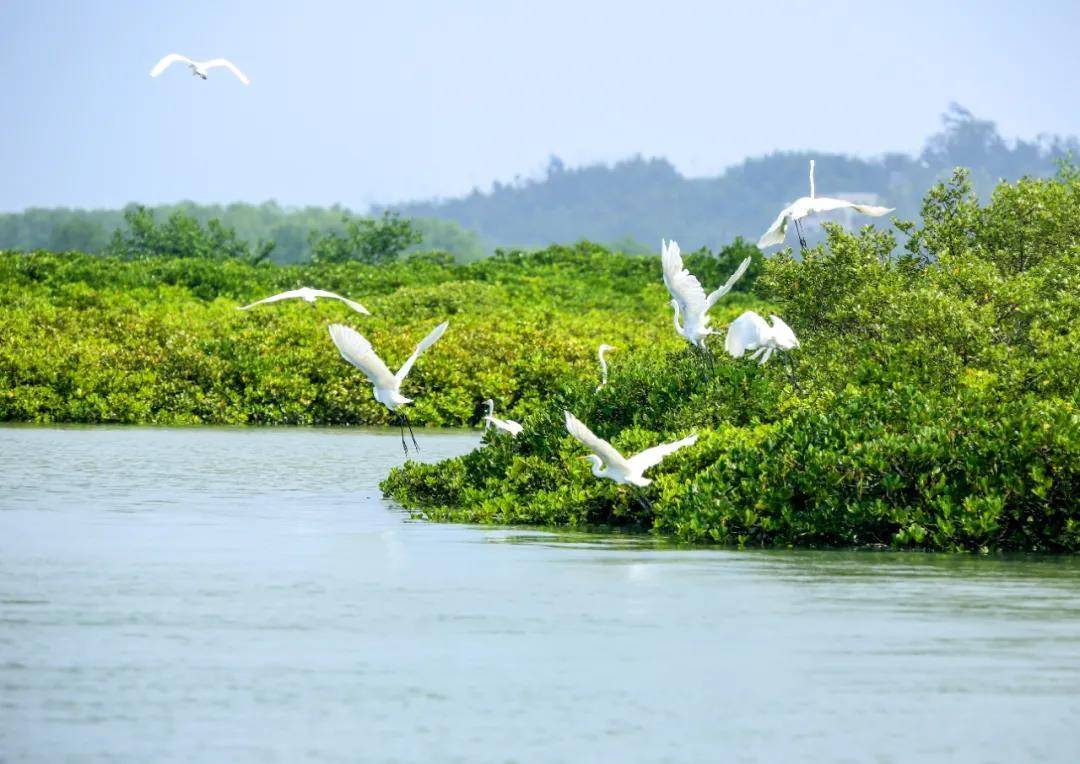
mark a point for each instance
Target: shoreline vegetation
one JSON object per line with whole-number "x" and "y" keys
{"x": 938, "y": 400}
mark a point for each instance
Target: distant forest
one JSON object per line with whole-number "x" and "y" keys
{"x": 630, "y": 204}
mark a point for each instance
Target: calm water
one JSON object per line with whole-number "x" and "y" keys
{"x": 245, "y": 595}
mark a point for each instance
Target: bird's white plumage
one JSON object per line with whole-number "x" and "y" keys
{"x": 307, "y": 294}
{"x": 199, "y": 68}
{"x": 506, "y": 425}
{"x": 609, "y": 463}
{"x": 355, "y": 349}
{"x": 752, "y": 332}
{"x": 809, "y": 205}
{"x": 688, "y": 296}
{"x": 603, "y": 364}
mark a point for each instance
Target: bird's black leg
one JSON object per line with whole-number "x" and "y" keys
{"x": 802, "y": 239}
{"x": 644, "y": 502}
{"x": 401, "y": 426}
{"x": 411, "y": 435}
{"x": 791, "y": 372}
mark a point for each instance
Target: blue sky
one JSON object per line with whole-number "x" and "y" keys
{"x": 359, "y": 102}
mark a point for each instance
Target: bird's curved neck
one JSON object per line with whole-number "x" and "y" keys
{"x": 811, "y": 178}
{"x": 675, "y": 318}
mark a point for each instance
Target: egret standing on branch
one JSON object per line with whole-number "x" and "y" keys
{"x": 688, "y": 296}
{"x": 308, "y": 295}
{"x": 387, "y": 387}
{"x": 506, "y": 425}
{"x": 808, "y": 205}
{"x": 609, "y": 463}
{"x": 751, "y": 332}
{"x": 198, "y": 68}
{"x": 603, "y": 364}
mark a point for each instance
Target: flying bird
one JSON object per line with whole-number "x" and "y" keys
{"x": 387, "y": 387}
{"x": 309, "y": 295}
{"x": 751, "y": 332}
{"x": 603, "y": 364}
{"x": 506, "y": 425}
{"x": 808, "y": 205}
{"x": 688, "y": 297}
{"x": 609, "y": 463}
{"x": 198, "y": 68}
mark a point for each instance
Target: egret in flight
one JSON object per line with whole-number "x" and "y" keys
{"x": 603, "y": 364}
{"x": 688, "y": 297}
{"x": 309, "y": 295}
{"x": 808, "y": 205}
{"x": 609, "y": 463}
{"x": 387, "y": 387}
{"x": 198, "y": 68}
{"x": 506, "y": 425}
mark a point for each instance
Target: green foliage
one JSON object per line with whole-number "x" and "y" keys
{"x": 371, "y": 241}
{"x": 181, "y": 236}
{"x": 940, "y": 403}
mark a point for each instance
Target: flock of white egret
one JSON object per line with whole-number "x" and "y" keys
{"x": 691, "y": 305}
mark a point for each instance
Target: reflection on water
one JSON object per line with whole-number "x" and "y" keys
{"x": 245, "y": 595}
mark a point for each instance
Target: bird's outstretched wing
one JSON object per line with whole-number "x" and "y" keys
{"x": 168, "y": 61}
{"x": 597, "y": 445}
{"x": 681, "y": 283}
{"x": 713, "y": 297}
{"x": 782, "y": 334}
{"x": 650, "y": 457}
{"x": 828, "y": 204}
{"x": 425, "y": 343}
{"x": 292, "y": 293}
{"x": 333, "y": 296}
{"x": 228, "y": 65}
{"x": 747, "y": 332}
{"x": 777, "y": 231}
{"x": 358, "y": 351}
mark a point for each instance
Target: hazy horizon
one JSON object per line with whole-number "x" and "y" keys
{"x": 370, "y": 104}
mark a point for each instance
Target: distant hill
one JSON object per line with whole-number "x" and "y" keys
{"x": 644, "y": 199}
{"x": 630, "y": 204}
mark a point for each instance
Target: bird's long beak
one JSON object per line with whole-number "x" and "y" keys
{"x": 582, "y": 458}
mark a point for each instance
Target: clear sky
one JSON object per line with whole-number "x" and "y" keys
{"x": 361, "y": 102}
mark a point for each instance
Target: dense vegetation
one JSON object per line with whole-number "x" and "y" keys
{"x": 937, "y": 403}
{"x": 159, "y": 340}
{"x": 629, "y": 204}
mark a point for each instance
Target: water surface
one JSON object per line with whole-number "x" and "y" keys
{"x": 246, "y": 595}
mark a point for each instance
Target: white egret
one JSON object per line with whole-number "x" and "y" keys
{"x": 751, "y": 332}
{"x": 198, "y": 68}
{"x": 309, "y": 295}
{"x": 506, "y": 425}
{"x": 609, "y": 463}
{"x": 386, "y": 386}
{"x": 603, "y": 364}
{"x": 688, "y": 296}
{"x": 808, "y": 205}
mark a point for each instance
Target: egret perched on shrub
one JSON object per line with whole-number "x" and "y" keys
{"x": 751, "y": 332}
{"x": 387, "y": 387}
{"x": 688, "y": 296}
{"x": 308, "y": 295}
{"x": 506, "y": 425}
{"x": 808, "y": 205}
{"x": 603, "y": 364}
{"x": 198, "y": 68}
{"x": 609, "y": 463}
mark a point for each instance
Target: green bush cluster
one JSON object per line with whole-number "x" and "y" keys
{"x": 939, "y": 401}
{"x": 159, "y": 340}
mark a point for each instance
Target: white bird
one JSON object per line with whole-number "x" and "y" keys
{"x": 309, "y": 295}
{"x": 386, "y": 386}
{"x": 506, "y": 425}
{"x": 688, "y": 296}
{"x": 198, "y": 68}
{"x": 751, "y": 332}
{"x": 609, "y": 463}
{"x": 603, "y": 364}
{"x": 808, "y": 205}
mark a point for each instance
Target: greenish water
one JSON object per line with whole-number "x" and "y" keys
{"x": 246, "y": 595}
